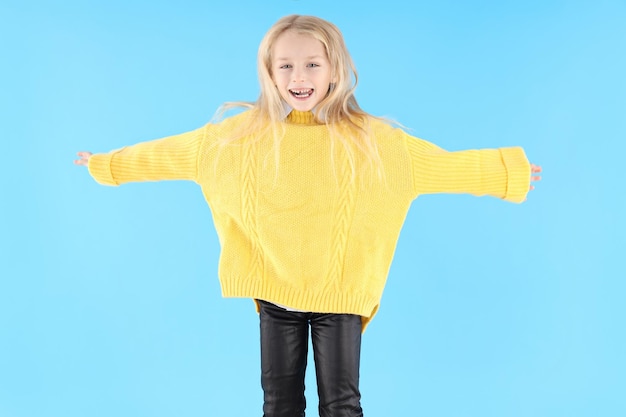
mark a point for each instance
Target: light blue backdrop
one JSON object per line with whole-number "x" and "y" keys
{"x": 109, "y": 301}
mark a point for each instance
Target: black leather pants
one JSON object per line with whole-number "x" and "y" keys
{"x": 336, "y": 340}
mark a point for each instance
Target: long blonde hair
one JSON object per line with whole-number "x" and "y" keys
{"x": 339, "y": 110}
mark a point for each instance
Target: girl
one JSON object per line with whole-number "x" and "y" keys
{"x": 308, "y": 194}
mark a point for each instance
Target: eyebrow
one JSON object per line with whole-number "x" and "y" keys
{"x": 308, "y": 57}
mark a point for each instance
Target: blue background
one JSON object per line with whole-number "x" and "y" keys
{"x": 109, "y": 301}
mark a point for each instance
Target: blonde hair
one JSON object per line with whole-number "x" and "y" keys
{"x": 339, "y": 110}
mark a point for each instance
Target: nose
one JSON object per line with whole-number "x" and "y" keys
{"x": 298, "y": 75}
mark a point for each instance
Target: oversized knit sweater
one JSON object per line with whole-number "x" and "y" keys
{"x": 307, "y": 235}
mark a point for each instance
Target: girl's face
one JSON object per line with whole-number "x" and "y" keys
{"x": 300, "y": 70}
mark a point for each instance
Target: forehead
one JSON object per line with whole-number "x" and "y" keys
{"x": 291, "y": 44}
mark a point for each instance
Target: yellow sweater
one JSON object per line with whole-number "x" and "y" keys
{"x": 306, "y": 236}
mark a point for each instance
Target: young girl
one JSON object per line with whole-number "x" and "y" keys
{"x": 308, "y": 195}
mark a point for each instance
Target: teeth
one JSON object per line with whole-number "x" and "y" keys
{"x": 302, "y": 92}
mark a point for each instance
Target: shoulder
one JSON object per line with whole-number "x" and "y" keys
{"x": 222, "y": 121}
{"x": 221, "y": 126}
{"x": 384, "y": 128}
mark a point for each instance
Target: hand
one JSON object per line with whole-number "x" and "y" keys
{"x": 84, "y": 158}
{"x": 534, "y": 169}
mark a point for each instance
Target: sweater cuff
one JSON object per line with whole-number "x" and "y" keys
{"x": 518, "y": 174}
{"x": 100, "y": 168}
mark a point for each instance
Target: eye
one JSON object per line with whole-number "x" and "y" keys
{"x": 313, "y": 65}
{"x": 285, "y": 66}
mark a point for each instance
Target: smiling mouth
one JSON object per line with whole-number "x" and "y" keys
{"x": 301, "y": 93}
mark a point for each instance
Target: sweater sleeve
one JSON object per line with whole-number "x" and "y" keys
{"x": 502, "y": 173}
{"x": 170, "y": 158}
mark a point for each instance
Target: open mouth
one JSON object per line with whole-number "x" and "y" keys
{"x": 301, "y": 93}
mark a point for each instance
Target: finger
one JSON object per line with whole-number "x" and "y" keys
{"x": 535, "y": 178}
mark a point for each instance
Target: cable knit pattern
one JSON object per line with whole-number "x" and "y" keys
{"x": 303, "y": 234}
{"x": 341, "y": 226}
{"x": 249, "y": 209}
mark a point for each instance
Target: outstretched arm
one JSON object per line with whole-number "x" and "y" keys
{"x": 503, "y": 172}
{"x": 171, "y": 158}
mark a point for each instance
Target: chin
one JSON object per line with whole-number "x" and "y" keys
{"x": 308, "y": 106}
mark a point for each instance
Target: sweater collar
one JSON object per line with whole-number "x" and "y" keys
{"x": 301, "y": 118}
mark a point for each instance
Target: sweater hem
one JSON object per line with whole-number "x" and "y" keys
{"x": 332, "y": 302}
